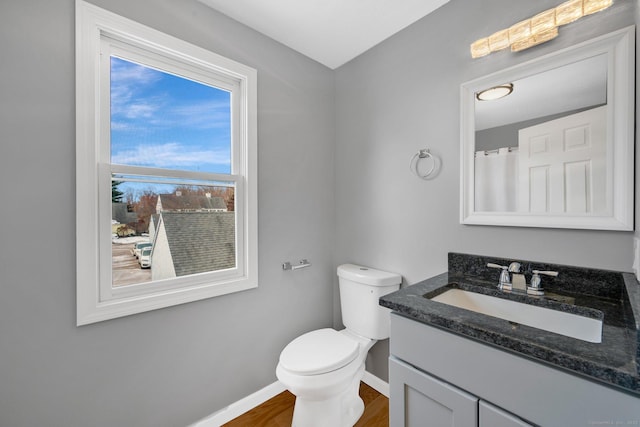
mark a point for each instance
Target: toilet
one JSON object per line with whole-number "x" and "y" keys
{"x": 323, "y": 368}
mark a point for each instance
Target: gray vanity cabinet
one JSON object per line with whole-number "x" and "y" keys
{"x": 439, "y": 378}
{"x": 492, "y": 416}
{"x": 418, "y": 399}
{"x": 422, "y": 400}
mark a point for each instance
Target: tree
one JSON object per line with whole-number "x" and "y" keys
{"x": 230, "y": 199}
{"x": 116, "y": 195}
{"x": 145, "y": 207}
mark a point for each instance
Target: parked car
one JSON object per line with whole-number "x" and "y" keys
{"x": 145, "y": 257}
{"x": 135, "y": 251}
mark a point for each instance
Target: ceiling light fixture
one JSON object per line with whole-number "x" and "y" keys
{"x": 538, "y": 29}
{"x": 495, "y": 92}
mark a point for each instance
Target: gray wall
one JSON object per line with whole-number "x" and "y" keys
{"x": 173, "y": 366}
{"x": 403, "y": 95}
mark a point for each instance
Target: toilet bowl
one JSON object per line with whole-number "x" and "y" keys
{"x": 323, "y": 368}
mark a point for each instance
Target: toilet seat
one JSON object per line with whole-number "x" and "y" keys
{"x": 318, "y": 352}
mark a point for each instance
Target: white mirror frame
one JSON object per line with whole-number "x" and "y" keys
{"x": 620, "y": 48}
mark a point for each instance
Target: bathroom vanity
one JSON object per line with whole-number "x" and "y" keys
{"x": 455, "y": 366}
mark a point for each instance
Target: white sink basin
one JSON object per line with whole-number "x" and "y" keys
{"x": 559, "y": 322}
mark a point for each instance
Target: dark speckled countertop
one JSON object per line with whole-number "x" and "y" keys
{"x": 610, "y": 295}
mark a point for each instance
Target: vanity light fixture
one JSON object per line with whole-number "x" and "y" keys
{"x": 495, "y": 92}
{"x": 537, "y": 29}
{"x": 568, "y": 12}
{"x": 538, "y": 38}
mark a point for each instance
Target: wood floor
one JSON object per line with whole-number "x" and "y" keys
{"x": 278, "y": 411}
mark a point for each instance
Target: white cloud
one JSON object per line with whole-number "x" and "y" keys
{"x": 171, "y": 155}
{"x": 128, "y": 81}
{"x": 133, "y": 73}
{"x": 202, "y": 115}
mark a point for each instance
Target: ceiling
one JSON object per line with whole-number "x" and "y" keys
{"x": 331, "y": 32}
{"x": 570, "y": 87}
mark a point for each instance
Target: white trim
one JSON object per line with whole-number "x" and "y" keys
{"x": 243, "y": 405}
{"x": 246, "y": 404}
{"x": 93, "y": 239}
{"x": 376, "y": 383}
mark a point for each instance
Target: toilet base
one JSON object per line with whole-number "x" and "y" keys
{"x": 342, "y": 410}
{"x": 330, "y": 399}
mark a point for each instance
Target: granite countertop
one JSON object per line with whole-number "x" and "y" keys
{"x": 612, "y": 296}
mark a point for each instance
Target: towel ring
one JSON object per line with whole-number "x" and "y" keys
{"x": 415, "y": 160}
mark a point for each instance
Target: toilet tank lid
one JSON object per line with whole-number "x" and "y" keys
{"x": 369, "y": 276}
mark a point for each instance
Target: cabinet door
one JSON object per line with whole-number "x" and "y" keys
{"x": 420, "y": 400}
{"x": 492, "y": 416}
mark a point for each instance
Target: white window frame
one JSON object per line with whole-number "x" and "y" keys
{"x": 98, "y": 30}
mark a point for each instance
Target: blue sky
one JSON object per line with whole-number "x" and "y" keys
{"x": 164, "y": 121}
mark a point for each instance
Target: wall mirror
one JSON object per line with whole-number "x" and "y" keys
{"x": 557, "y": 151}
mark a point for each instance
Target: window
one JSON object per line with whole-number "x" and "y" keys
{"x": 165, "y": 170}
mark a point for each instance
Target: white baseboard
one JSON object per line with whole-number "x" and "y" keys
{"x": 243, "y": 405}
{"x": 376, "y": 383}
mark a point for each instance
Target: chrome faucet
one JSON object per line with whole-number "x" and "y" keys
{"x": 518, "y": 281}
{"x": 510, "y": 277}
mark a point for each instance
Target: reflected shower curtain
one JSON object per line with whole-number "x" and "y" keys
{"x": 496, "y": 179}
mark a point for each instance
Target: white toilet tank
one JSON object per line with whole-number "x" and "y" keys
{"x": 360, "y": 289}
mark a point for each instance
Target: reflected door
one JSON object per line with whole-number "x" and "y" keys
{"x": 563, "y": 164}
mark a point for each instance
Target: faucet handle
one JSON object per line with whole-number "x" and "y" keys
{"x": 492, "y": 265}
{"x": 546, "y": 273}
{"x": 535, "y": 288}
{"x": 504, "y": 282}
